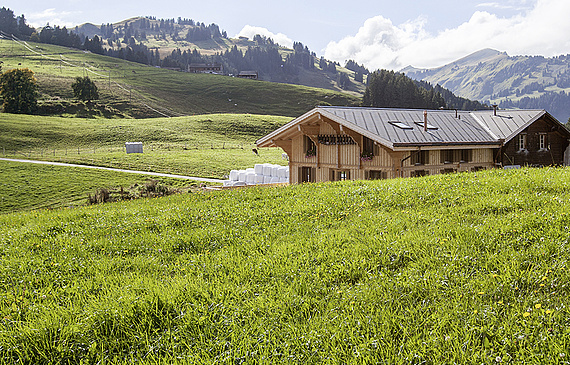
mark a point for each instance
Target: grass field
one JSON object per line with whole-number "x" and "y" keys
{"x": 31, "y": 187}
{"x": 204, "y": 146}
{"x": 462, "y": 268}
{"x": 142, "y": 91}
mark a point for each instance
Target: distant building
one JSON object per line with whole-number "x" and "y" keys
{"x": 344, "y": 143}
{"x": 205, "y": 68}
{"x": 248, "y": 75}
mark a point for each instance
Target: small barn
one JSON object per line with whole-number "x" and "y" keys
{"x": 350, "y": 143}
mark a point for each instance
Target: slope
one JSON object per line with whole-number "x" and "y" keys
{"x": 132, "y": 89}
{"x": 461, "y": 268}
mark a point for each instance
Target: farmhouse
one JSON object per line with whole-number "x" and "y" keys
{"x": 350, "y": 143}
{"x": 205, "y": 68}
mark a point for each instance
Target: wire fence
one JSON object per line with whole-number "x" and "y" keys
{"x": 46, "y": 152}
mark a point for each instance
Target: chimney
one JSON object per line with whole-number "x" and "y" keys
{"x": 425, "y": 121}
{"x": 494, "y": 109}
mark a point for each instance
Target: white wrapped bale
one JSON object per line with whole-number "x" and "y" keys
{"x": 259, "y": 178}
{"x": 250, "y": 178}
{"x": 239, "y": 183}
{"x": 267, "y": 169}
{"x": 134, "y": 147}
{"x": 242, "y": 175}
{"x": 258, "y": 169}
{"x": 234, "y": 175}
{"x": 228, "y": 183}
{"x": 274, "y": 180}
{"x": 266, "y": 179}
{"x": 283, "y": 172}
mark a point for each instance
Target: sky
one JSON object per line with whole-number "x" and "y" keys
{"x": 389, "y": 34}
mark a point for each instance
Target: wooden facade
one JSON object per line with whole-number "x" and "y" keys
{"x": 542, "y": 143}
{"x": 344, "y": 160}
{"x": 322, "y": 147}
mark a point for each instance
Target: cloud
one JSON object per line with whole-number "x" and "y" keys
{"x": 250, "y": 31}
{"x": 52, "y": 17}
{"x": 380, "y": 44}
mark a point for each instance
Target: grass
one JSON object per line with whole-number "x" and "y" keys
{"x": 462, "y": 268}
{"x": 141, "y": 91}
{"x": 27, "y": 187}
{"x": 204, "y": 146}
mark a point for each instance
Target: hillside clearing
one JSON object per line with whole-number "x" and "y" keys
{"x": 461, "y": 268}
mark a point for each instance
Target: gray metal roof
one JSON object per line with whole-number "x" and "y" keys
{"x": 405, "y": 127}
{"x": 447, "y": 129}
{"x": 507, "y": 123}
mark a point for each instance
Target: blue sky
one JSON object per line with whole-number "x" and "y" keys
{"x": 378, "y": 33}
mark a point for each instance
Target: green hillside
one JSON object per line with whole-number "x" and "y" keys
{"x": 166, "y": 36}
{"x": 133, "y": 90}
{"x": 510, "y": 81}
{"x": 462, "y": 268}
{"x": 204, "y": 146}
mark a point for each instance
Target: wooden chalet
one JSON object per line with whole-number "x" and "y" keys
{"x": 350, "y": 143}
{"x": 248, "y": 75}
{"x": 215, "y": 68}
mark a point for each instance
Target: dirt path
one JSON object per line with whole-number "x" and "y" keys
{"x": 112, "y": 169}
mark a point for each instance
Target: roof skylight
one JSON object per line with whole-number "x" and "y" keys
{"x": 400, "y": 125}
{"x": 429, "y": 126}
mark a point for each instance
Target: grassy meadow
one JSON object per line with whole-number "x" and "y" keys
{"x": 27, "y": 186}
{"x": 203, "y": 146}
{"x": 130, "y": 89}
{"x": 466, "y": 268}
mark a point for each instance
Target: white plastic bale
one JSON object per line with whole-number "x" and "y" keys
{"x": 228, "y": 182}
{"x": 242, "y": 175}
{"x": 274, "y": 180}
{"x": 267, "y": 169}
{"x": 250, "y": 178}
{"x": 266, "y": 179}
{"x": 239, "y": 183}
{"x": 258, "y": 168}
{"x": 234, "y": 175}
{"x": 258, "y": 178}
{"x": 283, "y": 171}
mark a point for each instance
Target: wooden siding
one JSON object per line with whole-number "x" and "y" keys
{"x": 556, "y": 144}
{"x": 333, "y": 158}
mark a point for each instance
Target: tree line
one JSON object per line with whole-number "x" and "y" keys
{"x": 389, "y": 89}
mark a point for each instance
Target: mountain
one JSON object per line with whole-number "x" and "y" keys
{"x": 495, "y": 77}
{"x": 182, "y": 41}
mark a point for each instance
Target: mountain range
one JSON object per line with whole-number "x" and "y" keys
{"x": 494, "y": 77}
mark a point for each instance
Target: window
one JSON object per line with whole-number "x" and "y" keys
{"x": 309, "y": 147}
{"x": 419, "y": 173}
{"x": 367, "y": 146}
{"x": 400, "y": 125}
{"x": 542, "y": 141}
{"x": 447, "y": 171}
{"x": 420, "y": 158}
{"x": 465, "y": 156}
{"x": 307, "y": 174}
{"x": 340, "y": 175}
{"x": 446, "y": 156}
{"x": 377, "y": 175}
{"x": 521, "y": 142}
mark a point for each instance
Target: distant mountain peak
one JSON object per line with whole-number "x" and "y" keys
{"x": 484, "y": 55}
